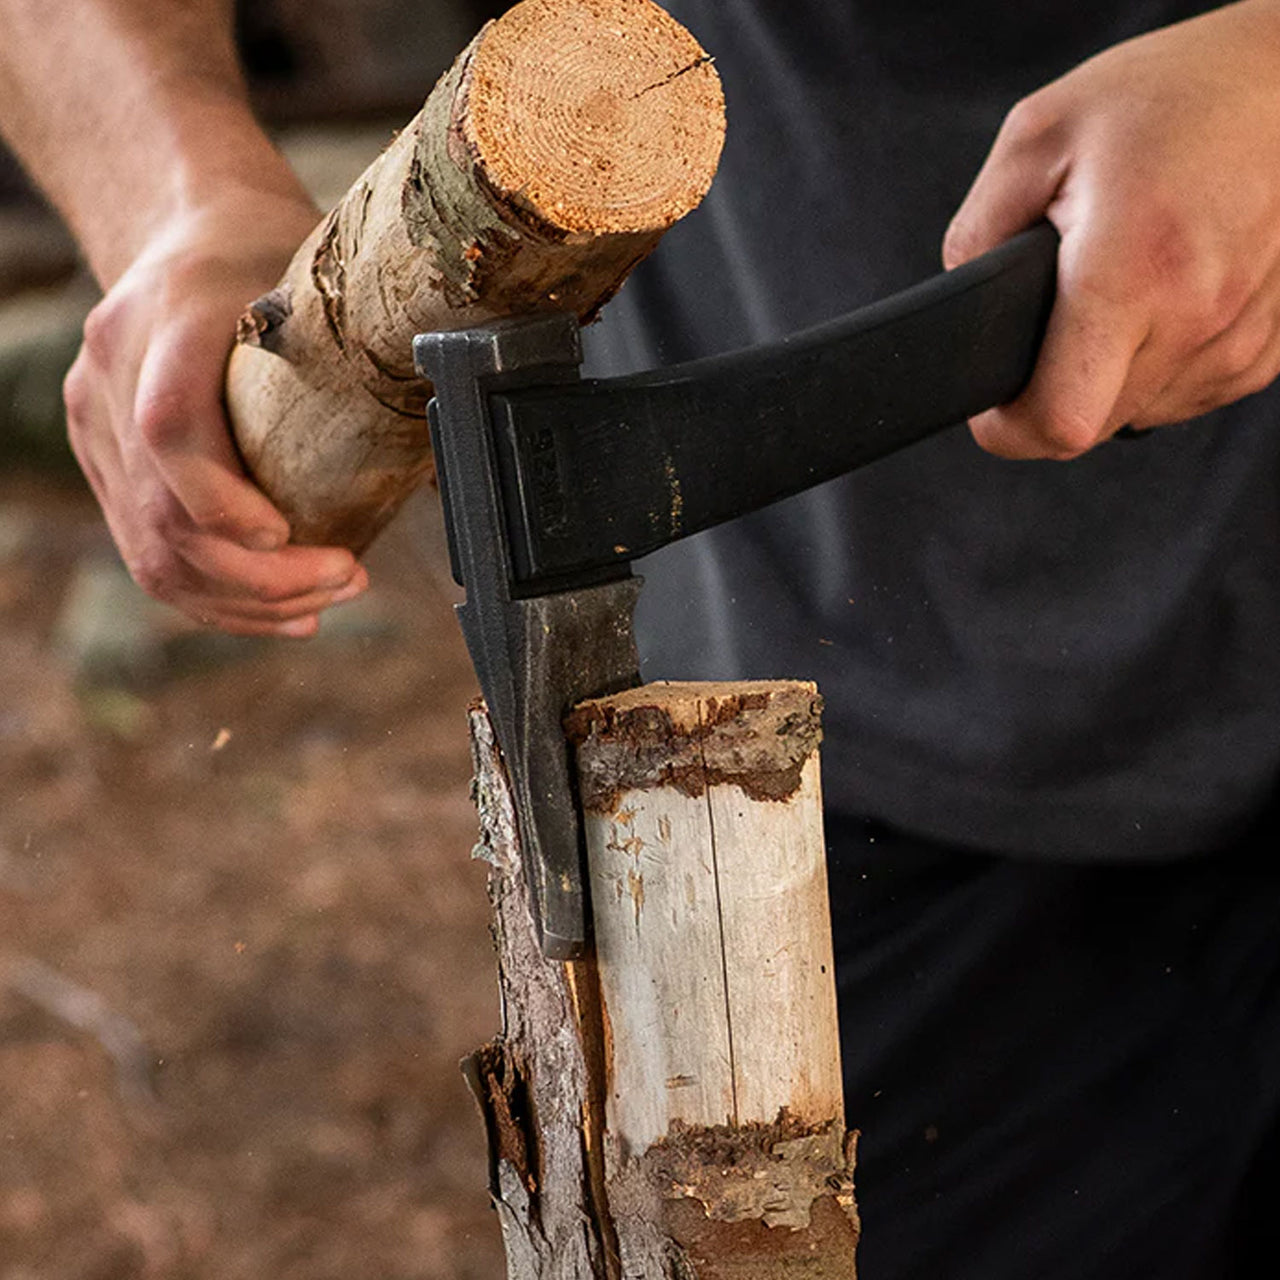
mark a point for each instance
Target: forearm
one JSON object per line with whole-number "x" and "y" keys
{"x": 130, "y": 114}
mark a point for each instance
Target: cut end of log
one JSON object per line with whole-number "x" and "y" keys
{"x": 754, "y": 734}
{"x": 594, "y": 117}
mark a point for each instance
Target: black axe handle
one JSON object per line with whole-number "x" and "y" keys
{"x": 596, "y": 473}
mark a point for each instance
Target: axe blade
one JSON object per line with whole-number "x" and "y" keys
{"x": 562, "y": 648}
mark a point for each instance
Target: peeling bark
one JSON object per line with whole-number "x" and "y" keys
{"x": 538, "y": 1083}
{"x": 691, "y": 736}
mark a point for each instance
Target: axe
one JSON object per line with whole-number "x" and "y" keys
{"x": 553, "y": 484}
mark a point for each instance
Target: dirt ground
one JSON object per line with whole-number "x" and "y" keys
{"x": 242, "y": 945}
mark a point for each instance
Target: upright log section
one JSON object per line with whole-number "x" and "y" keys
{"x": 671, "y": 1109}
{"x": 546, "y": 163}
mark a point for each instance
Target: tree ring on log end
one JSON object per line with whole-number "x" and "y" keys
{"x": 594, "y": 116}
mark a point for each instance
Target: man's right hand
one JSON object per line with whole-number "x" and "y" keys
{"x": 146, "y": 419}
{"x": 1158, "y": 160}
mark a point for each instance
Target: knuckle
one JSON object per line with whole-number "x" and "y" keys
{"x": 1120, "y": 283}
{"x": 1199, "y": 297}
{"x": 1197, "y": 330}
{"x": 1223, "y": 307}
{"x": 1029, "y": 119}
{"x": 77, "y": 396}
{"x": 1067, "y": 434}
{"x": 102, "y": 331}
{"x": 155, "y": 570}
{"x": 1170, "y": 256}
{"x": 1241, "y": 353}
{"x": 161, "y": 422}
{"x": 204, "y": 517}
{"x": 208, "y": 516}
{"x": 1209, "y": 312}
{"x": 161, "y": 517}
{"x": 1151, "y": 266}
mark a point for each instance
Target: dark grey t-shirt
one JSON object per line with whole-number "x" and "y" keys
{"x": 1065, "y": 660}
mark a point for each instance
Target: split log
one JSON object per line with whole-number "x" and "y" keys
{"x": 546, "y": 163}
{"x": 672, "y": 1105}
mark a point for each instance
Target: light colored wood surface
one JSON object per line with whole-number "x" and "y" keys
{"x": 710, "y": 908}
{"x": 776, "y": 936}
{"x": 659, "y": 939}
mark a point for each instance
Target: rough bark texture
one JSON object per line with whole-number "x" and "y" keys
{"x": 538, "y": 1083}
{"x": 591, "y": 1181}
{"x": 546, "y": 163}
{"x": 689, "y": 736}
{"x": 739, "y": 1202}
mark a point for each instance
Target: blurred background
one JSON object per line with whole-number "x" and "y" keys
{"x": 242, "y": 945}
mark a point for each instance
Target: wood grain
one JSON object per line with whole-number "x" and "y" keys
{"x": 710, "y": 908}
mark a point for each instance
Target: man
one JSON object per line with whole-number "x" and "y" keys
{"x": 1052, "y": 690}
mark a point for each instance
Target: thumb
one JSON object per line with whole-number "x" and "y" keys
{"x": 1014, "y": 188}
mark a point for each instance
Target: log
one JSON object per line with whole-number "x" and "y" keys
{"x": 546, "y": 163}
{"x": 679, "y": 1091}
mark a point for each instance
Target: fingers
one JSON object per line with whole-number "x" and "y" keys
{"x": 1239, "y": 361}
{"x": 296, "y": 617}
{"x": 1156, "y": 161}
{"x": 1146, "y": 351}
{"x": 1156, "y": 319}
{"x": 1083, "y": 385}
{"x": 211, "y": 577}
{"x": 146, "y": 420}
{"x": 1013, "y": 189}
{"x": 1083, "y": 375}
{"x": 298, "y": 629}
{"x": 230, "y": 583}
{"x": 179, "y": 419}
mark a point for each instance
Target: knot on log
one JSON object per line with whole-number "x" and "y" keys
{"x": 500, "y": 1086}
{"x": 263, "y": 319}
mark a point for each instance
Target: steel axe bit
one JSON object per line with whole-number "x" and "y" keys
{"x": 553, "y": 484}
